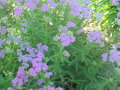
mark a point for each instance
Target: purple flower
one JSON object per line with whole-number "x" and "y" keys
{"x": 118, "y": 21}
{"x": 74, "y": 12}
{"x": 76, "y": 8}
{"x": 10, "y": 88}
{"x": 48, "y": 1}
{"x": 3, "y": 2}
{"x": 45, "y": 47}
{"x": 32, "y": 72}
{"x": 30, "y": 89}
{"x": 2, "y": 52}
{"x": 45, "y": 7}
{"x": 53, "y": 4}
{"x": 114, "y": 55}
{"x": 118, "y": 14}
{"x": 40, "y": 55}
{"x": 18, "y": 10}
{"x": 3, "y": 30}
{"x": 62, "y": 1}
{"x": 30, "y": 5}
{"x": 20, "y": 79}
{"x": 1, "y": 7}
{"x": 20, "y": 72}
{"x": 23, "y": 29}
{"x": 40, "y": 81}
{"x": 85, "y": 12}
{"x": 72, "y": 39}
{"x": 118, "y": 9}
{"x": 63, "y": 29}
{"x": 114, "y": 3}
{"x": 48, "y": 74}
{"x": 94, "y": 37}
{"x": 51, "y": 88}
{"x": 45, "y": 67}
{"x": 80, "y": 31}
{"x": 24, "y": 24}
{"x": 14, "y": 81}
{"x": 19, "y": 1}
{"x": 36, "y": 1}
{"x": 66, "y": 39}
{"x": 26, "y": 65}
{"x": 70, "y": 24}
{"x": 59, "y": 88}
{"x": 104, "y": 56}
{"x": 116, "y": 45}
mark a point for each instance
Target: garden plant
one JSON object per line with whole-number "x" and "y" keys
{"x": 59, "y": 44}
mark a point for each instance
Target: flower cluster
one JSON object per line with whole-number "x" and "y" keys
{"x": 66, "y": 37}
{"x": 112, "y": 56}
{"x": 21, "y": 78}
{"x": 51, "y": 3}
{"x": 2, "y": 52}
{"x": 3, "y": 2}
{"x": 31, "y": 4}
{"x": 94, "y": 37}
{"x": 115, "y": 2}
{"x": 45, "y": 7}
{"x": 19, "y": 1}
{"x": 80, "y": 31}
{"x": 3, "y": 30}
{"x": 77, "y": 9}
{"x": 18, "y": 10}
{"x": 70, "y": 24}
{"x": 117, "y": 46}
{"x": 32, "y": 62}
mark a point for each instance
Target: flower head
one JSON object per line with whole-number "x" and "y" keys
{"x": 71, "y": 24}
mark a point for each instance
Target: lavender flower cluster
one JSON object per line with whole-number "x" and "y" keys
{"x": 79, "y": 10}
{"x": 115, "y": 2}
{"x": 32, "y": 4}
{"x": 34, "y": 59}
{"x": 3, "y": 3}
{"x": 66, "y": 37}
{"x": 32, "y": 65}
{"x": 76, "y": 8}
{"x": 94, "y": 37}
{"x": 112, "y": 56}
